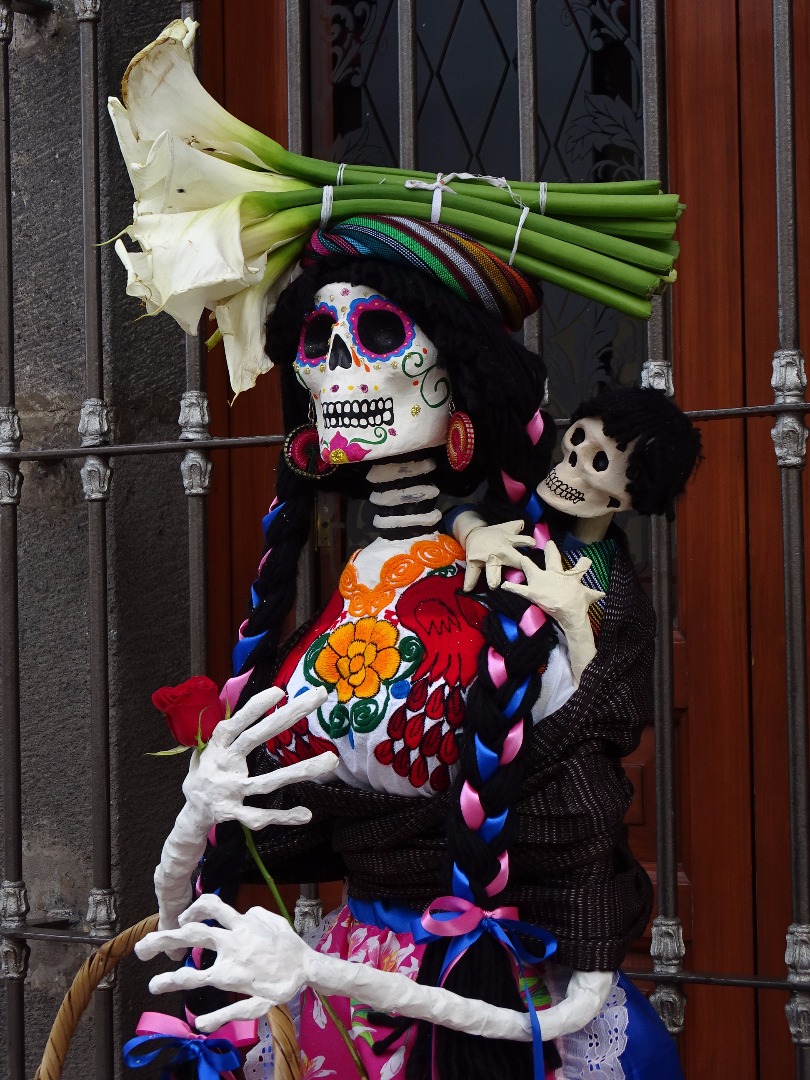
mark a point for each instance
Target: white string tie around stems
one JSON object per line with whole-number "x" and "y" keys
{"x": 341, "y": 170}
{"x": 542, "y": 195}
{"x": 438, "y": 188}
{"x": 524, "y": 213}
{"x": 441, "y": 185}
{"x": 327, "y": 199}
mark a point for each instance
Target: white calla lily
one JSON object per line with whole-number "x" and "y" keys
{"x": 194, "y": 260}
{"x": 241, "y": 319}
{"x": 161, "y": 93}
{"x": 177, "y": 178}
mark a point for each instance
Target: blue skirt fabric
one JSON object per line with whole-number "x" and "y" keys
{"x": 626, "y": 1041}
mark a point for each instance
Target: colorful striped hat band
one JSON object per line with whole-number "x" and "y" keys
{"x": 449, "y": 256}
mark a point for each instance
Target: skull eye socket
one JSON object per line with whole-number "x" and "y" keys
{"x": 381, "y": 332}
{"x": 578, "y": 436}
{"x": 316, "y": 335}
{"x": 600, "y": 461}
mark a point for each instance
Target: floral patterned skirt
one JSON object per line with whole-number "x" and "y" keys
{"x": 626, "y": 1041}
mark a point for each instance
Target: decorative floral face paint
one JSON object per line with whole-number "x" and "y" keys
{"x": 374, "y": 377}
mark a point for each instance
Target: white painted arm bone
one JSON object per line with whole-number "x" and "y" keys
{"x": 561, "y": 594}
{"x": 260, "y": 955}
{"x": 217, "y": 784}
{"x": 488, "y": 547}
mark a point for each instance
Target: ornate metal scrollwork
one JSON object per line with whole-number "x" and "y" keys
{"x": 308, "y": 913}
{"x": 668, "y": 950}
{"x": 87, "y": 9}
{"x": 789, "y": 383}
{"x": 96, "y": 476}
{"x": 94, "y": 422}
{"x": 669, "y": 1003}
{"x": 196, "y": 470}
{"x": 797, "y": 958}
{"x": 10, "y": 483}
{"x": 13, "y": 903}
{"x": 194, "y": 416}
{"x": 102, "y": 911}
{"x": 13, "y": 959}
{"x": 6, "y": 22}
{"x": 10, "y": 428}
{"x": 657, "y": 375}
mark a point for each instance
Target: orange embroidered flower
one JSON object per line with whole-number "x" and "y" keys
{"x": 357, "y": 656}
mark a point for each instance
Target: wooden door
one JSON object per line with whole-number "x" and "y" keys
{"x": 729, "y": 640}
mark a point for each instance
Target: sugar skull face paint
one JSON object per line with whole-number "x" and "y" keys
{"x": 374, "y": 377}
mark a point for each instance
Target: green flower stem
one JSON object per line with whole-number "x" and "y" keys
{"x": 265, "y": 873}
{"x": 286, "y": 224}
{"x": 636, "y": 306}
{"x": 631, "y": 228}
{"x": 322, "y": 172}
{"x": 327, "y": 1007}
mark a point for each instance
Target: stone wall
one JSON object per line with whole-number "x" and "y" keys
{"x": 147, "y": 517}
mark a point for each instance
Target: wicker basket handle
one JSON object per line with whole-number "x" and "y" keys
{"x": 101, "y": 963}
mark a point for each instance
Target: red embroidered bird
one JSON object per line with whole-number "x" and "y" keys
{"x": 448, "y": 623}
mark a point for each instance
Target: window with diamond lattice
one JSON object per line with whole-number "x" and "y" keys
{"x": 589, "y": 126}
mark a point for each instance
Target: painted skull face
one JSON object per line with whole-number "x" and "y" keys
{"x": 591, "y": 479}
{"x": 374, "y": 377}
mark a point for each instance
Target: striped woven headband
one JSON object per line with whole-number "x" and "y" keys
{"x": 452, "y": 257}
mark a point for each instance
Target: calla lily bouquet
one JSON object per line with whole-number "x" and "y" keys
{"x": 223, "y": 212}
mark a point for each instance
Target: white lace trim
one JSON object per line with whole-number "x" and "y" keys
{"x": 595, "y": 1049}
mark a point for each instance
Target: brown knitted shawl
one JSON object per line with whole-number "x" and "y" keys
{"x": 571, "y": 870}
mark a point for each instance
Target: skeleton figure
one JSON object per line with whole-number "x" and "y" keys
{"x": 625, "y": 449}
{"x": 377, "y": 683}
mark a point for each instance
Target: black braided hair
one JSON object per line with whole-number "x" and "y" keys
{"x": 667, "y": 444}
{"x": 499, "y": 384}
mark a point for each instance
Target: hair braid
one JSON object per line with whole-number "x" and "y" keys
{"x": 481, "y": 823}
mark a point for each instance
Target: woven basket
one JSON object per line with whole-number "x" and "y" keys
{"x": 286, "y": 1058}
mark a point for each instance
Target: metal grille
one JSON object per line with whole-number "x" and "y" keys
{"x": 422, "y": 84}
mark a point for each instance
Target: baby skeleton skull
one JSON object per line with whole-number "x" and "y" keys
{"x": 591, "y": 479}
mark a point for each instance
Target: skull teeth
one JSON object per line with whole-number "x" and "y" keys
{"x": 563, "y": 490}
{"x": 358, "y": 414}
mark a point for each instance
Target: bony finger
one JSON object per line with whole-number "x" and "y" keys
{"x": 228, "y": 730}
{"x": 471, "y": 575}
{"x": 186, "y": 978}
{"x": 309, "y": 769}
{"x": 247, "y": 1009}
{"x": 158, "y": 942}
{"x": 209, "y": 906}
{"x": 512, "y": 586}
{"x": 553, "y": 557}
{"x": 581, "y": 566}
{"x": 281, "y": 720}
{"x": 256, "y": 820}
{"x": 493, "y": 572}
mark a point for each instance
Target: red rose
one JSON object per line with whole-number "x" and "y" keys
{"x": 190, "y": 709}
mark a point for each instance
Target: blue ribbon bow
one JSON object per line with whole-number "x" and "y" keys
{"x": 213, "y": 1056}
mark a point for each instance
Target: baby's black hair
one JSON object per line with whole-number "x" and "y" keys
{"x": 666, "y": 446}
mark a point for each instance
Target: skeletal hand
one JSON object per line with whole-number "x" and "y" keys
{"x": 490, "y": 548}
{"x": 559, "y": 592}
{"x": 218, "y": 783}
{"x": 218, "y": 780}
{"x": 258, "y": 954}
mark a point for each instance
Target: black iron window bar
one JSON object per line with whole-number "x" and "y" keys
{"x": 194, "y": 443}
